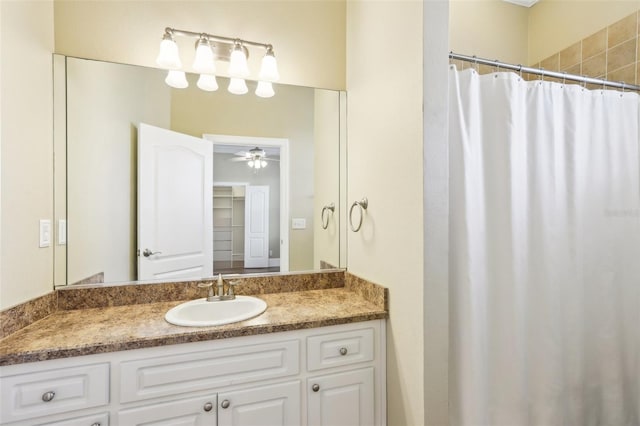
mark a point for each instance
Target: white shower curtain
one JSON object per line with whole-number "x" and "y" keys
{"x": 545, "y": 249}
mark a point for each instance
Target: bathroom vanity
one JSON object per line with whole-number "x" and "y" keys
{"x": 322, "y": 376}
{"x": 315, "y": 357}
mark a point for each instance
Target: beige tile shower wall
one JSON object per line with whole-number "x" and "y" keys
{"x": 613, "y": 53}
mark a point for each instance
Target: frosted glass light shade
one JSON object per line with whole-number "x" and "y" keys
{"x": 269, "y": 68}
{"x": 207, "y": 82}
{"x": 238, "y": 86}
{"x": 177, "y": 79}
{"x": 263, "y": 163}
{"x": 264, "y": 89}
{"x": 168, "y": 56}
{"x": 204, "y": 61}
{"x": 238, "y": 63}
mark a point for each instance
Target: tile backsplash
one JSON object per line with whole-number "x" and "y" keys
{"x": 613, "y": 53}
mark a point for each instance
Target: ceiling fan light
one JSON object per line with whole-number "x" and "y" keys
{"x": 203, "y": 62}
{"x": 177, "y": 79}
{"x": 263, "y": 163}
{"x": 250, "y": 163}
{"x": 168, "y": 56}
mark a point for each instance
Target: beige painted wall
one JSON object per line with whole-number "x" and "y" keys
{"x": 326, "y": 177}
{"x": 308, "y": 36}
{"x": 26, "y": 271}
{"x": 557, "y": 24}
{"x": 289, "y": 114}
{"x": 491, "y": 29}
{"x": 385, "y": 165}
{"x": 102, "y": 178}
{"x": 496, "y": 29}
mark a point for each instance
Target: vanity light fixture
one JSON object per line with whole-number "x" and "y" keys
{"x": 211, "y": 48}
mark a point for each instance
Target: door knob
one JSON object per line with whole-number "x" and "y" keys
{"x": 147, "y": 252}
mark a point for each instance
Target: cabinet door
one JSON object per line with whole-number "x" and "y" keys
{"x": 273, "y": 405}
{"x": 341, "y": 399}
{"x": 195, "y": 411}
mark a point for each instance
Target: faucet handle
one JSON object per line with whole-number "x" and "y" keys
{"x": 208, "y": 285}
{"x": 232, "y": 284}
{"x": 205, "y": 285}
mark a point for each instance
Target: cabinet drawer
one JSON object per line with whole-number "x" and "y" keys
{"x": 54, "y": 391}
{"x": 193, "y": 371}
{"x": 101, "y": 419}
{"x": 336, "y": 349}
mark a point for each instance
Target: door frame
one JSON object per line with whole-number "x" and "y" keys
{"x": 283, "y": 145}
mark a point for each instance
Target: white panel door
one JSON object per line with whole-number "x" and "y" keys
{"x": 256, "y": 227}
{"x": 175, "y": 190}
{"x": 194, "y": 411}
{"x": 274, "y": 405}
{"x": 342, "y": 399}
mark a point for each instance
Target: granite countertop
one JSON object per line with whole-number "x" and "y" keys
{"x": 67, "y": 333}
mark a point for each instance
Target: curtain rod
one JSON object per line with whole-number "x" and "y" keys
{"x": 543, "y": 72}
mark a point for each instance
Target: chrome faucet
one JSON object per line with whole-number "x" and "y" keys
{"x": 212, "y": 297}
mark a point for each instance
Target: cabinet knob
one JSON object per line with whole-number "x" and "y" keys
{"x": 225, "y": 404}
{"x": 96, "y": 424}
{"x": 208, "y": 407}
{"x": 48, "y": 396}
{"x": 343, "y": 351}
{"x": 315, "y": 387}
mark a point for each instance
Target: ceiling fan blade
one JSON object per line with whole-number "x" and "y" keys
{"x": 270, "y": 159}
{"x": 239, "y": 159}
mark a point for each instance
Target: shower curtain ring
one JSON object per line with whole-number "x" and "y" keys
{"x": 564, "y": 78}
{"x": 475, "y": 64}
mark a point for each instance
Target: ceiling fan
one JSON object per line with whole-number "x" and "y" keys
{"x": 256, "y": 158}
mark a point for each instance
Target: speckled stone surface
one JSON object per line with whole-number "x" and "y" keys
{"x": 20, "y": 316}
{"x": 374, "y": 293}
{"x": 68, "y": 333}
{"x": 92, "y": 296}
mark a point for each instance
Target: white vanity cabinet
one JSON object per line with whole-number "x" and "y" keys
{"x": 330, "y": 376}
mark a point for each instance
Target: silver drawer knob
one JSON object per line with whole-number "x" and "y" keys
{"x": 48, "y": 396}
{"x": 315, "y": 387}
{"x": 96, "y": 424}
{"x": 208, "y": 407}
{"x": 225, "y": 404}
{"x": 343, "y": 351}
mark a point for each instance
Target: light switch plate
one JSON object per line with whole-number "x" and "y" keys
{"x": 62, "y": 232}
{"x": 298, "y": 223}
{"x": 45, "y": 232}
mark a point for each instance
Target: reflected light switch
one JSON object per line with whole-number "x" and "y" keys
{"x": 45, "y": 232}
{"x": 62, "y": 232}
{"x": 298, "y": 223}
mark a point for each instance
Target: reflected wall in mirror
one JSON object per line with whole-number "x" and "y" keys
{"x": 106, "y": 201}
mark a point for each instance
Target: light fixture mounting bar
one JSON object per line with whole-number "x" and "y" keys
{"x": 213, "y": 37}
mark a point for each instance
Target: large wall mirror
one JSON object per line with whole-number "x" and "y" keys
{"x": 157, "y": 183}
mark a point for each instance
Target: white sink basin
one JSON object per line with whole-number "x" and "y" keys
{"x": 200, "y": 313}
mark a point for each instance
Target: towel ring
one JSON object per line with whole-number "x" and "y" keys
{"x": 363, "y": 204}
{"x": 331, "y": 207}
